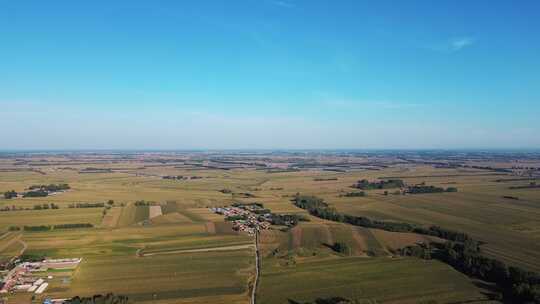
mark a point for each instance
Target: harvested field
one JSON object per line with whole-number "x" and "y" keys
{"x": 110, "y": 220}
{"x": 154, "y": 211}
{"x": 170, "y": 218}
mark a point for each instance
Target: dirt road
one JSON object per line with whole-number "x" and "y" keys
{"x": 224, "y": 248}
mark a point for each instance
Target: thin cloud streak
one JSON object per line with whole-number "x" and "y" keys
{"x": 457, "y": 44}
{"x": 453, "y": 45}
{"x": 285, "y": 4}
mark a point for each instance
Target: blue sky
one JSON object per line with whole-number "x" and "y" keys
{"x": 269, "y": 74}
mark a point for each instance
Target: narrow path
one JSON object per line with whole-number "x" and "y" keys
{"x": 10, "y": 241}
{"x": 257, "y": 269}
{"x": 224, "y": 248}
{"x": 25, "y": 246}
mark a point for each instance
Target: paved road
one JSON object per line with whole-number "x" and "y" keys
{"x": 257, "y": 269}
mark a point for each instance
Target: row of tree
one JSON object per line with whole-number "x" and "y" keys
{"x": 354, "y": 194}
{"x": 331, "y": 300}
{"x": 73, "y": 226}
{"x": 10, "y": 194}
{"x": 50, "y": 187}
{"x": 37, "y": 228}
{"x": 58, "y": 226}
{"x": 100, "y": 299}
{"x": 421, "y": 189}
{"x": 319, "y": 208}
{"x": 145, "y": 203}
{"x": 36, "y": 207}
{"x": 87, "y": 205}
{"x": 46, "y": 206}
{"x": 38, "y": 191}
{"x": 364, "y": 184}
{"x": 517, "y": 285}
{"x": 289, "y": 220}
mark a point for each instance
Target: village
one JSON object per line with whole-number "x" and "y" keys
{"x": 31, "y": 276}
{"x": 253, "y": 217}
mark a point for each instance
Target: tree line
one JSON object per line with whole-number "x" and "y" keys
{"x": 58, "y": 226}
{"x": 364, "y": 184}
{"x": 10, "y": 194}
{"x": 354, "y": 194}
{"x": 422, "y": 188}
{"x": 86, "y": 205}
{"x": 50, "y": 187}
{"x": 36, "y": 207}
{"x": 289, "y": 220}
{"x": 37, "y": 191}
{"x": 109, "y": 298}
{"x": 460, "y": 251}
{"x": 331, "y": 300}
{"x": 319, "y": 208}
{"x": 516, "y": 284}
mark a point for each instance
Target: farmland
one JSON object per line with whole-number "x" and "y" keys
{"x": 155, "y": 239}
{"x": 367, "y": 279}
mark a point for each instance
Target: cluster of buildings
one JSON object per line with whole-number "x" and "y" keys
{"x": 25, "y": 276}
{"x": 246, "y": 217}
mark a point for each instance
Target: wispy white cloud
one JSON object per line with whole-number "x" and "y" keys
{"x": 454, "y": 44}
{"x": 457, "y": 44}
{"x": 281, "y": 3}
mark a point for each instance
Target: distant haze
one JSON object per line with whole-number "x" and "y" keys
{"x": 257, "y": 74}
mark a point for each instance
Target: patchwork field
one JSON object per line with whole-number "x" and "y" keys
{"x": 175, "y": 250}
{"x": 113, "y": 262}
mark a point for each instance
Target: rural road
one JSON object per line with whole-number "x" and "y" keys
{"x": 257, "y": 268}
{"x": 224, "y": 248}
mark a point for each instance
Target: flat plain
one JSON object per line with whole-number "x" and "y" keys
{"x": 154, "y": 256}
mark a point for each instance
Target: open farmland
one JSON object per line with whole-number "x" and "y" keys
{"x": 510, "y": 228}
{"x": 373, "y": 280}
{"x": 112, "y": 261}
{"x": 157, "y": 239}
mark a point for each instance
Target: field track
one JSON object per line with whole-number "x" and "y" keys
{"x": 11, "y": 241}
{"x": 224, "y": 248}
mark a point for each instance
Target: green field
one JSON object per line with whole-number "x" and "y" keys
{"x": 379, "y": 280}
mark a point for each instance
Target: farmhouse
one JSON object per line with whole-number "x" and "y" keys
{"x": 23, "y": 276}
